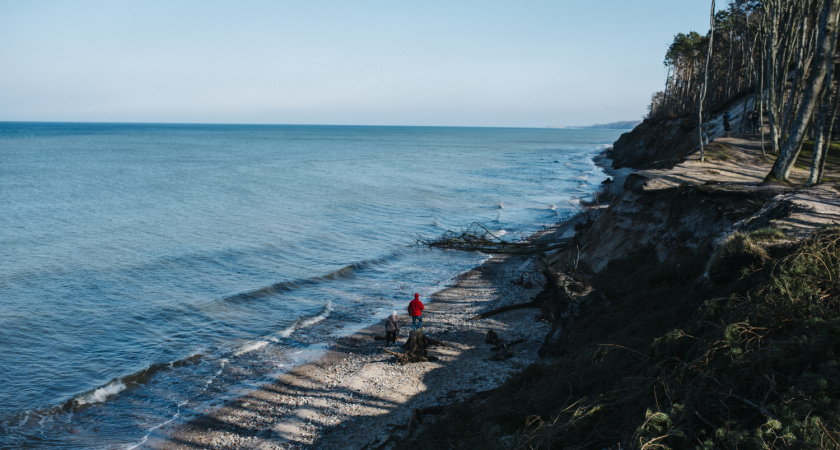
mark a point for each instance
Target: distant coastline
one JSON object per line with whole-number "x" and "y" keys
{"x": 625, "y": 124}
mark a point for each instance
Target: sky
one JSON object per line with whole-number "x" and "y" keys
{"x": 480, "y": 63}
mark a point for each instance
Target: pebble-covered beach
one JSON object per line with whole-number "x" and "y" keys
{"x": 358, "y": 396}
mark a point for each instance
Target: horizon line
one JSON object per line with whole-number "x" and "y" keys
{"x": 306, "y": 124}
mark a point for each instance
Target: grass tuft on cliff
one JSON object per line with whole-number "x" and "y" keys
{"x": 749, "y": 363}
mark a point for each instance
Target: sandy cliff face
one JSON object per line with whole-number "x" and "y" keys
{"x": 664, "y": 143}
{"x": 674, "y": 222}
{"x": 655, "y": 144}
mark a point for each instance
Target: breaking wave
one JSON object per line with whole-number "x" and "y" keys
{"x": 303, "y": 322}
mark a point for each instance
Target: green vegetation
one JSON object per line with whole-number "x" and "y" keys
{"x": 832, "y": 161}
{"x": 767, "y": 234}
{"x": 749, "y": 362}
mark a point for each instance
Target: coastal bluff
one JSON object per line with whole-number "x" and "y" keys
{"x": 672, "y": 328}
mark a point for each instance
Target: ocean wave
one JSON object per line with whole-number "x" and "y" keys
{"x": 303, "y": 322}
{"x": 347, "y": 271}
{"x": 118, "y": 385}
{"x": 99, "y": 395}
{"x": 250, "y": 347}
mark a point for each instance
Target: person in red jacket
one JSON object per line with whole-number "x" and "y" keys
{"x": 415, "y": 309}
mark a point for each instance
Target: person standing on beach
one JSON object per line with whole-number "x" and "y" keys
{"x": 392, "y": 327}
{"x": 415, "y": 309}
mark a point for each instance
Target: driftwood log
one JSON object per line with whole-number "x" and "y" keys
{"x": 484, "y": 315}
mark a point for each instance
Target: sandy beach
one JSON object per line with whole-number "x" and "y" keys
{"x": 357, "y": 395}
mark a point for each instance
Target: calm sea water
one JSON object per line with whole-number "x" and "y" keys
{"x": 150, "y": 270}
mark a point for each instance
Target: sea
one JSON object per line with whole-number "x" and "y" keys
{"x": 151, "y": 271}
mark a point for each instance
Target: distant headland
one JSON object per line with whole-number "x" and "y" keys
{"x": 626, "y": 124}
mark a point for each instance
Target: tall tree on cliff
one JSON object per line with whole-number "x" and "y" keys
{"x": 823, "y": 126}
{"x": 731, "y": 67}
{"x": 785, "y": 49}
{"x": 706, "y": 81}
{"x": 826, "y": 43}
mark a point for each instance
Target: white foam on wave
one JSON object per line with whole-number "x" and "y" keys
{"x": 306, "y": 321}
{"x": 222, "y": 363}
{"x": 250, "y": 347}
{"x": 99, "y": 395}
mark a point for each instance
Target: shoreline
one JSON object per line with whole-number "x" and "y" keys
{"x": 356, "y": 394}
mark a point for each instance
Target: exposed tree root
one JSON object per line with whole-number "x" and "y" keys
{"x": 415, "y": 349}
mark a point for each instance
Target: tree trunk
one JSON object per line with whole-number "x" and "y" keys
{"x": 728, "y": 92}
{"x": 799, "y": 74}
{"x": 705, "y": 82}
{"x": 825, "y": 52}
{"x": 771, "y": 12}
{"x": 826, "y": 115}
{"x": 761, "y": 70}
{"x": 822, "y": 125}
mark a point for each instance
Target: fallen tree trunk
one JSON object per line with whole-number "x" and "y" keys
{"x": 484, "y": 315}
{"x": 479, "y": 238}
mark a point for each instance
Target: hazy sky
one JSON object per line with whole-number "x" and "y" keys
{"x": 455, "y": 63}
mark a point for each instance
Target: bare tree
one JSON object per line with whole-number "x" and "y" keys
{"x": 826, "y": 44}
{"x": 823, "y": 126}
{"x": 705, "y": 81}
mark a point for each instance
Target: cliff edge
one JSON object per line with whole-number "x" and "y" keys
{"x": 696, "y": 309}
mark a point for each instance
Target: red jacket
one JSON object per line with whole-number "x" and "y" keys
{"x": 415, "y": 307}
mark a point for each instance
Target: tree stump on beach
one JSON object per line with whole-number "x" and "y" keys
{"x": 416, "y": 348}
